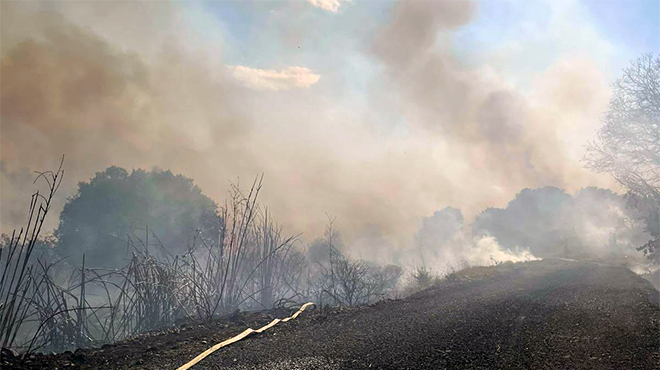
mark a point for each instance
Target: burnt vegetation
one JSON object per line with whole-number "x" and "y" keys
{"x": 52, "y": 302}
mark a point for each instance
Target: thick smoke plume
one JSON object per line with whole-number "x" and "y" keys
{"x": 592, "y": 224}
{"x": 135, "y": 84}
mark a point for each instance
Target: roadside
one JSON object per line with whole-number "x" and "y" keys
{"x": 538, "y": 314}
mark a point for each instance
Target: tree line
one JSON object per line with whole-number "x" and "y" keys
{"x": 143, "y": 250}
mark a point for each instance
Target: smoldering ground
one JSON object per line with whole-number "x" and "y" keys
{"x": 145, "y": 84}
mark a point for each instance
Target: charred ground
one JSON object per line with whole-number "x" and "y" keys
{"x": 538, "y": 314}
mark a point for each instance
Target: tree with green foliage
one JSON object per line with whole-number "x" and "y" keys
{"x": 149, "y": 207}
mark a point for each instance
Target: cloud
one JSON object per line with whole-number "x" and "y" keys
{"x": 329, "y": 5}
{"x": 270, "y": 79}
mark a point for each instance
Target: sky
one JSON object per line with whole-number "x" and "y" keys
{"x": 377, "y": 112}
{"x": 620, "y": 30}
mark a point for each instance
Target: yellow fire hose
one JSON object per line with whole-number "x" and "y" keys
{"x": 244, "y": 334}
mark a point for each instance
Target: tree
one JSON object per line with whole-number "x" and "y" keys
{"x": 627, "y": 145}
{"x": 649, "y": 213}
{"x": 345, "y": 280}
{"x": 146, "y": 206}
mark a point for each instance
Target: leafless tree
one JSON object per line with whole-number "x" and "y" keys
{"x": 383, "y": 281}
{"x": 348, "y": 281}
{"x": 627, "y": 145}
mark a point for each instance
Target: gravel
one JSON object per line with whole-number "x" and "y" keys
{"x": 550, "y": 314}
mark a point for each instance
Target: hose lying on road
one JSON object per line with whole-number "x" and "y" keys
{"x": 244, "y": 334}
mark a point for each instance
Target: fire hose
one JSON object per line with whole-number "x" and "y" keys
{"x": 240, "y": 336}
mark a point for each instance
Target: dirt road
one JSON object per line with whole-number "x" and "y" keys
{"x": 547, "y": 314}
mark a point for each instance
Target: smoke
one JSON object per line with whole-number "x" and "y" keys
{"x": 502, "y": 135}
{"x": 444, "y": 242}
{"x": 66, "y": 90}
{"x": 146, "y": 84}
{"x": 593, "y": 224}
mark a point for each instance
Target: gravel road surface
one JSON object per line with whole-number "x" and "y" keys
{"x": 550, "y": 314}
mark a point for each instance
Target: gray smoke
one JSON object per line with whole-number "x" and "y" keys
{"x": 134, "y": 84}
{"x": 592, "y": 224}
